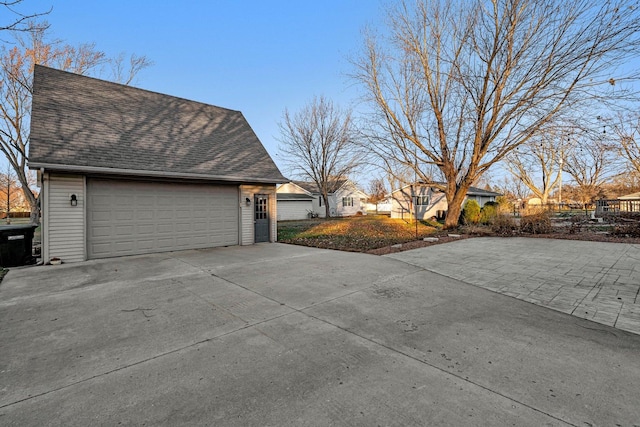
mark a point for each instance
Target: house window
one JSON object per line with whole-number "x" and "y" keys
{"x": 347, "y": 201}
{"x": 320, "y": 201}
{"x": 422, "y": 200}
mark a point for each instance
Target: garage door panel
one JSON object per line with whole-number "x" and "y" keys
{"x": 101, "y": 231}
{"x": 183, "y": 227}
{"x": 144, "y": 215}
{"x": 124, "y": 230}
{"x": 101, "y": 248}
{"x": 199, "y": 214}
{"x": 127, "y": 218}
{"x": 199, "y": 227}
{"x": 145, "y": 244}
{"x": 142, "y": 200}
{"x": 165, "y": 243}
{"x": 166, "y": 201}
{"x": 99, "y": 216}
{"x": 165, "y": 214}
{"x": 124, "y": 246}
{"x": 165, "y": 229}
{"x": 124, "y": 215}
{"x": 145, "y": 229}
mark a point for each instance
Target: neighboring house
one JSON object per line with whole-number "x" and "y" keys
{"x": 125, "y": 171}
{"x": 294, "y": 202}
{"x": 345, "y": 200}
{"x": 630, "y": 202}
{"x": 481, "y": 196}
{"x": 430, "y": 201}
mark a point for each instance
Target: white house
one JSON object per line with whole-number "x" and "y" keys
{"x": 345, "y": 200}
{"x": 294, "y": 202}
{"x": 125, "y": 171}
{"x": 427, "y": 201}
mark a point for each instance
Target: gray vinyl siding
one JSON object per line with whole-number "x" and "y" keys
{"x": 247, "y": 229}
{"x": 66, "y": 225}
{"x": 293, "y": 209}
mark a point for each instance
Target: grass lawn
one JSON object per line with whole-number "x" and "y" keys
{"x": 356, "y": 234}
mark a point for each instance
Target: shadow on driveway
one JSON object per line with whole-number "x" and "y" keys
{"x": 273, "y": 334}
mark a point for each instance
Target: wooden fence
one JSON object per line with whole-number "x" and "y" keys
{"x": 3, "y": 215}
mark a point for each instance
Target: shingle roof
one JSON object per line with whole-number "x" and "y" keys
{"x": 85, "y": 124}
{"x": 293, "y": 196}
{"x": 480, "y": 192}
{"x": 312, "y": 187}
{"x": 630, "y": 196}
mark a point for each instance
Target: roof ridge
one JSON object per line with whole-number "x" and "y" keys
{"x": 130, "y": 87}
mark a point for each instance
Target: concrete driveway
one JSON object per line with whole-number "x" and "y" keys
{"x": 277, "y": 335}
{"x": 593, "y": 280}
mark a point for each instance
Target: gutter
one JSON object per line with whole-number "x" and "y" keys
{"x": 52, "y": 167}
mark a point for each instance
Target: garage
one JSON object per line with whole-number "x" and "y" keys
{"x": 294, "y": 202}
{"x": 127, "y": 171}
{"x": 294, "y": 206}
{"x": 130, "y": 218}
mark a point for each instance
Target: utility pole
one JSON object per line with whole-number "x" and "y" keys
{"x": 415, "y": 197}
{"x": 560, "y": 191}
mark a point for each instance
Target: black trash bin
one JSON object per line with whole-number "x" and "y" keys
{"x": 16, "y": 245}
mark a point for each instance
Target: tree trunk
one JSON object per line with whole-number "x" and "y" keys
{"x": 34, "y": 217}
{"x": 327, "y": 209}
{"x": 454, "y": 207}
{"x": 8, "y": 199}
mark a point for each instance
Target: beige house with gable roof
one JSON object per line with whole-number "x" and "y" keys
{"x": 126, "y": 171}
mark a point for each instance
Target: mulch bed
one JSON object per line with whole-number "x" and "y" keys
{"x": 390, "y": 236}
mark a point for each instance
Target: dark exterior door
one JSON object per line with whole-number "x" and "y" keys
{"x": 261, "y": 219}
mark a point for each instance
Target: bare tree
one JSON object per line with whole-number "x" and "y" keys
{"x": 124, "y": 71}
{"x": 627, "y": 130}
{"x": 622, "y": 184}
{"x": 461, "y": 84}
{"x": 590, "y": 163}
{"x": 21, "y": 21}
{"x": 317, "y": 144}
{"x": 538, "y": 163}
{"x": 377, "y": 191}
{"x": 16, "y": 78}
{"x": 9, "y": 187}
{"x": 513, "y": 188}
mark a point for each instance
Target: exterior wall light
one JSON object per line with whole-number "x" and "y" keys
{"x": 74, "y": 200}
{"x": 247, "y": 201}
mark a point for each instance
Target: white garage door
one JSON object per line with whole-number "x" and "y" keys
{"x": 294, "y": 209}
{"x": 129, "y": 218}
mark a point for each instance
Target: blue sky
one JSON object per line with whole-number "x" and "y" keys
{"x": 258, "y": 57}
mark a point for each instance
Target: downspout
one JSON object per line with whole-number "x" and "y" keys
{"x": 44, "y": 215}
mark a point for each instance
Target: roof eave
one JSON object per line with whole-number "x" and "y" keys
{"x": 153, "y": 174}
